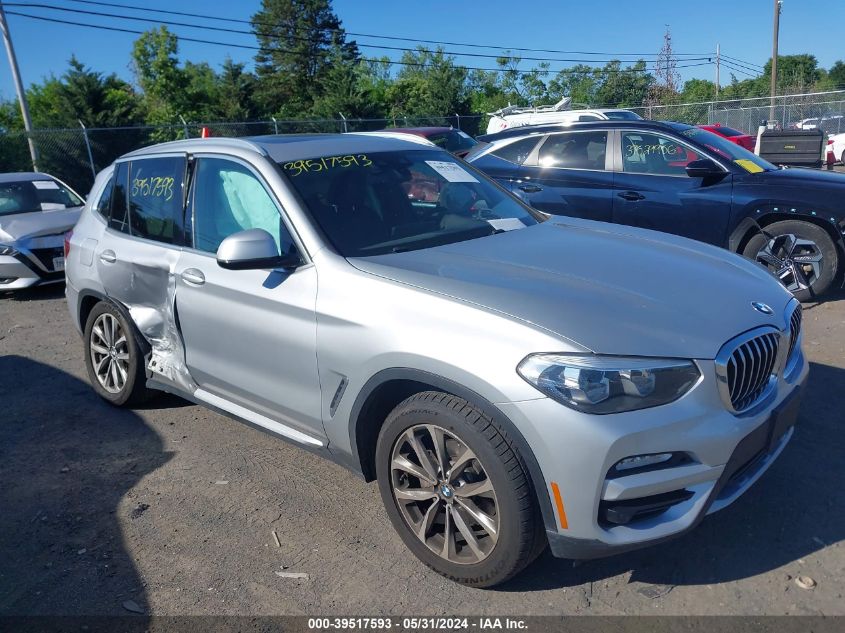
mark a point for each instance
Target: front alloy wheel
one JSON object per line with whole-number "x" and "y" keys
{"x": 444, "y": 494}
{"x": 800, "y": 254}
{"x": 457, "y": 491}
{"x": 796, "y": 262}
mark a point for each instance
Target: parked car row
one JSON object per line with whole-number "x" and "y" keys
{"x": 512, "y": 372}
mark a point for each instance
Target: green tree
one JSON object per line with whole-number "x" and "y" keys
{"x": 696, "y": 90}
{"x": 623, "y": 87}
{"x": 235, "y": 93}
{"x": 157, "y": 71}
{"x": 836, "y": 75}
{"x": 347, "y": 88}
{"x": 429, "y": 84}
{"x": 580, "y": 82}
{"x": 298, "y": 40}
{"x": 796, "y": 73}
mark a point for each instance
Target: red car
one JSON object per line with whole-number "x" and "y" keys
{"x": 734, "y": 136}
{"x": 450, "y": 139}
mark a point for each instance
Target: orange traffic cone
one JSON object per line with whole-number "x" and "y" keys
{"x": 205, "y": 133}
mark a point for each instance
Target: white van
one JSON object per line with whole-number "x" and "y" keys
{"x": 515, "y": 116}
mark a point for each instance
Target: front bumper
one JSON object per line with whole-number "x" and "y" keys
{"x": 727, "y": 454}
{"x": 33, "y": 266}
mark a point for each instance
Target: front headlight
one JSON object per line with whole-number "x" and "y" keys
{"x": 5, "y": 249}
{"x": 606, "y": 384}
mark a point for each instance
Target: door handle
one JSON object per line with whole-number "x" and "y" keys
{"x": 633, "y": 196}
{"x": 108, "y": 257}
{"x": 530, "y": 188}
{"x": 193, "y": 276}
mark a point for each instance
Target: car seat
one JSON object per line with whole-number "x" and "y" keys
{"x": 349, "y": 217}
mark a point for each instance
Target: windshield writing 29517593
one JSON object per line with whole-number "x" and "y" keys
{"x": 296, "y": 167}
{"x": 153, "y": 187}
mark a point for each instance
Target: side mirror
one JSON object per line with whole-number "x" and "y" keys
{"x": 254, "y": 249}
{"x": 704, "y": 168}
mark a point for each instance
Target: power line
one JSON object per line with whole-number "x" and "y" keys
{"x": 752, "y": 68}
{"x": 743, "y": 62}
{"x": 738, "y": 69}
{"x": 383, "y": 37}
{"x": 251, "y": 32}
{"x": 264, "y": 49}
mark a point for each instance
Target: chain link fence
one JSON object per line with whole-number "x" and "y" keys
{"x": 822, "y": 109}
{"x": 74, "y": 155}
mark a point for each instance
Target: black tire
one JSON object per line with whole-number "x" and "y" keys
{"x": 520, "y": 536}
{"x": 807, "y": 281}
{"x": 133, "y": 390}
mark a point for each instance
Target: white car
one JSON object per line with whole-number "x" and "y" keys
{"x": 832, "y": 123}
{"x": 836, "y": 144}
{"x": 514, "y": 116}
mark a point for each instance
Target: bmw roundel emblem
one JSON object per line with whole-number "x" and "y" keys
{"x": 762, "y": 307}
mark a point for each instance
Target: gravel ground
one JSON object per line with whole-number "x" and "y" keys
{"x": 171, "y": 510}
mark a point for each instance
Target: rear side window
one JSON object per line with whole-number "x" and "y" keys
{"x": 155, "y": 198}
{"x": 574, "y": 150}
{"x": 119, "y": 219}
{"x": 517, "y": 151}
{"x": 622, "y": 115}
{"x": 104, "y": 203}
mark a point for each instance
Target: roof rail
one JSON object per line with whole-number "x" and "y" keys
{"x": 192, "y": 143}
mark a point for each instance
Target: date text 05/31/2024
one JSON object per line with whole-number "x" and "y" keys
{"x": 418, "y": 623}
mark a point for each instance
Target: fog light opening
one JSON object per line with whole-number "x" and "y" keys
{"x": 632, "y": 510}
{"x": 642, "y": 461}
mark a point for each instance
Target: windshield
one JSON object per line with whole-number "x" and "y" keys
{"x": 622, "y": 115}
{"x": 388, "y": 202}
{"x": 28, "y": 196}
{"x": 739, "y": 156}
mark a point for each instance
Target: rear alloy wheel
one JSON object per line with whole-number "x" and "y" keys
{"x": 456, "y": 491}
{"x": 801, "y": 255}
{"x": 113, "y": 357}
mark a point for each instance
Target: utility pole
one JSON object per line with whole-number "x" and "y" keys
{"x": 718, "y": 60}
{"x": 13, "y": 63}
{"x": 778, "y": 4}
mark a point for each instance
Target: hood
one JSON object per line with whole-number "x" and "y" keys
{"x": 21, "y": 226}
{"x": 611, "y": 289}
{"x": 798, "y": 175}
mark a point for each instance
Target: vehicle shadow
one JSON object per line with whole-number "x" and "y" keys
{"x": 791, "y": 512}
{"x": 65, "y": 466}
{"x": 37, "y": 293}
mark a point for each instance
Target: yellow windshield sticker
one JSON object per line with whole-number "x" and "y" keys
{"x": 294, "y": 168}
{"x": 749, "y": 165}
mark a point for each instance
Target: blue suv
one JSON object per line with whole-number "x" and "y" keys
{"x": 679, "y": 179}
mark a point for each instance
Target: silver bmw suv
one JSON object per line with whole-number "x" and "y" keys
{"x": 511, "y": 380}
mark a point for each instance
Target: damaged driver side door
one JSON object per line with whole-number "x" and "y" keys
{"x": 136, "y": 255}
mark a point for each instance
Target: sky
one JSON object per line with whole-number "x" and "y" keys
{"x": 743, "y": 29}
